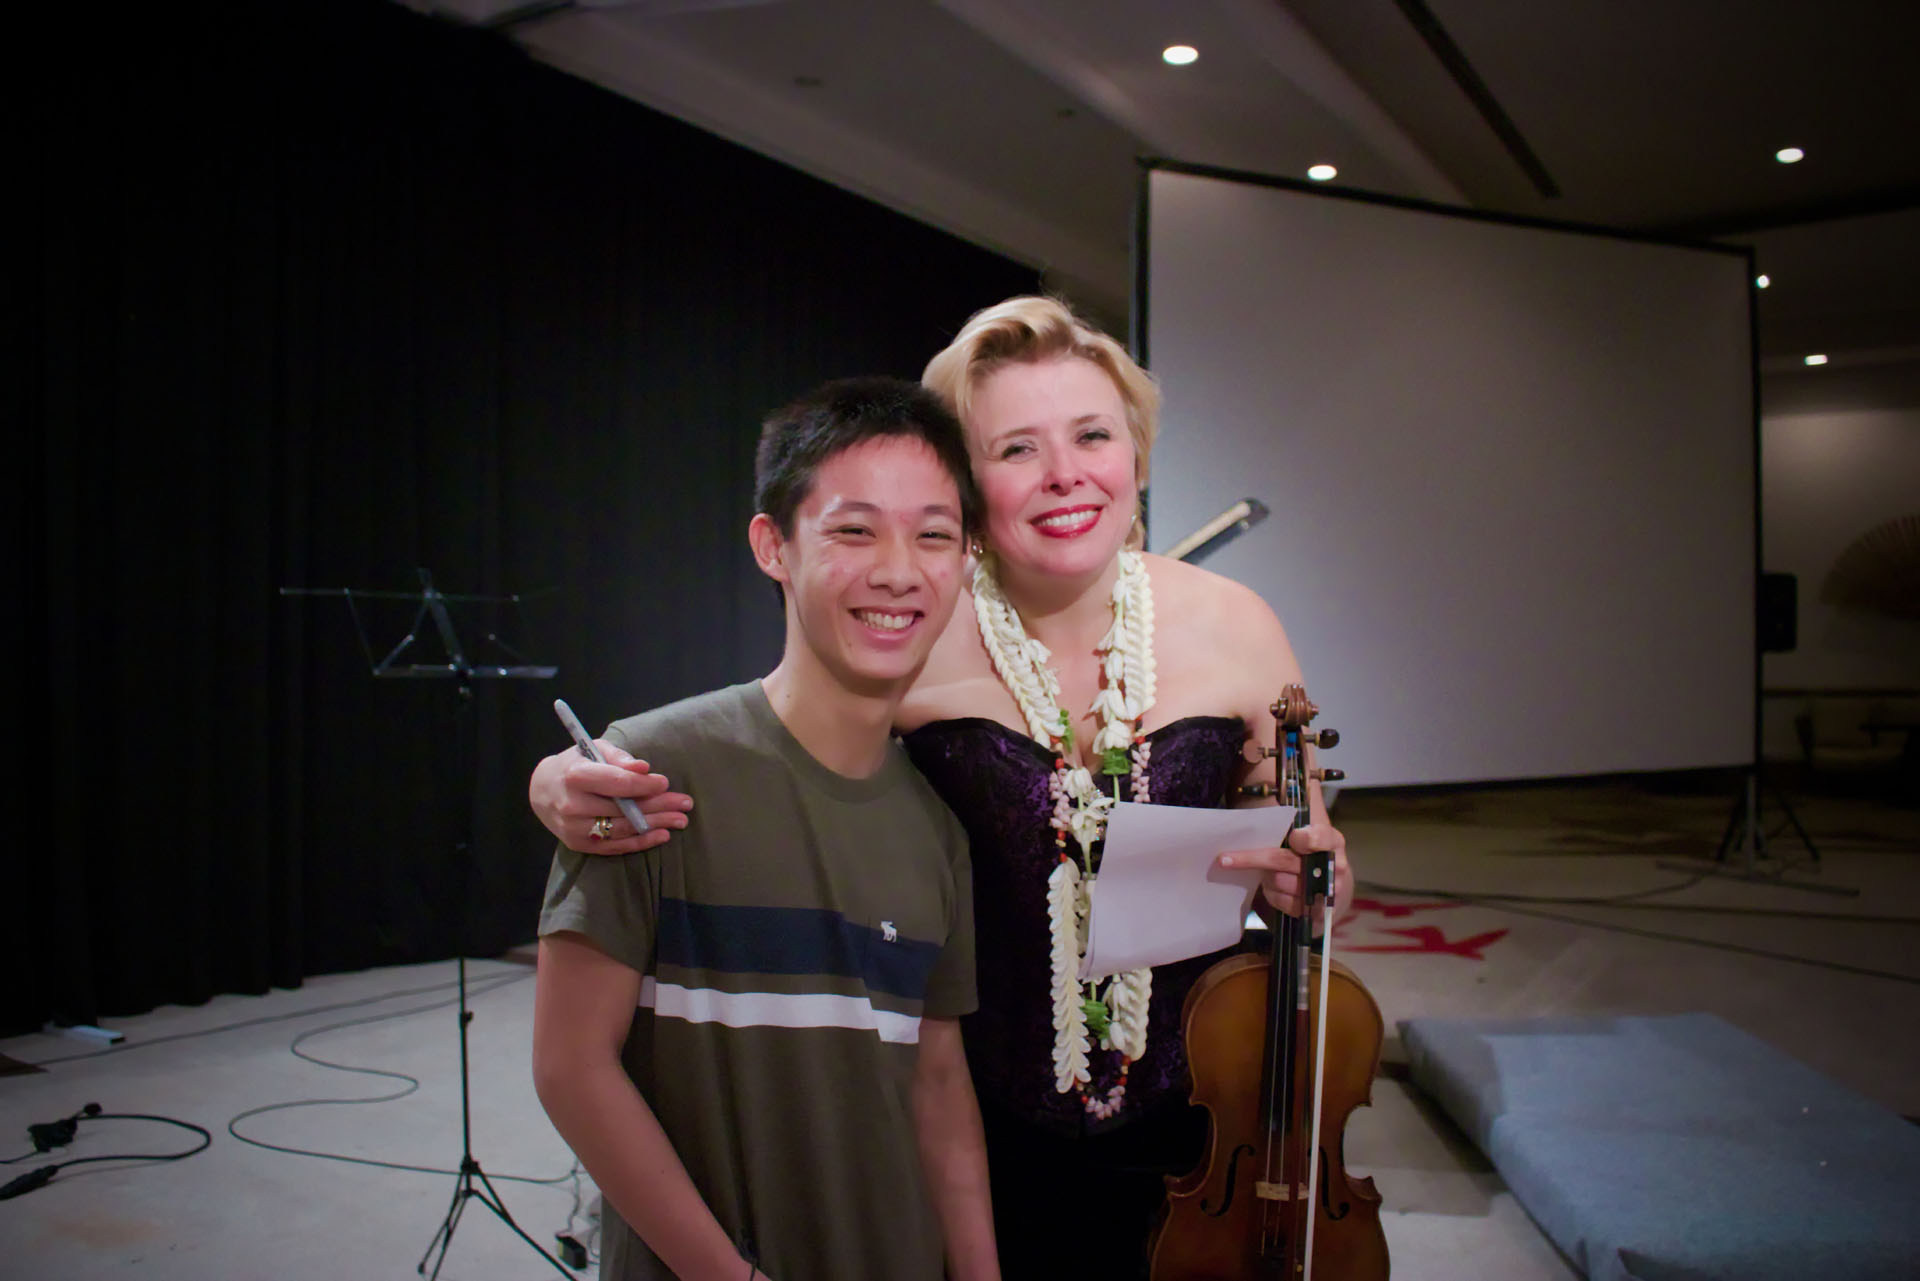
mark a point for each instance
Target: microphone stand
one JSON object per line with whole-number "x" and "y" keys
{"x": 472, "y": 1184}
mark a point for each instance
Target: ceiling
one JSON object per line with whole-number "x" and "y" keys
{"x": 1017, "y": 124}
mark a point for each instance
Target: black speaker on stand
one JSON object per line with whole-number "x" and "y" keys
{"x": 1776, "y": 631}
{"x": 1779, "y": 621}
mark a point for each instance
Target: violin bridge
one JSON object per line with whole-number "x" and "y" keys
{"x": 1276, "y": 1191}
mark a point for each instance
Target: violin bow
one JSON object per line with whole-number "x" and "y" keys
{"x": 1292, "y": 714}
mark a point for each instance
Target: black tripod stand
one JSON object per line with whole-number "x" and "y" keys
{"x": 1746, "y": 832}
{"x": 473, "y": 1184}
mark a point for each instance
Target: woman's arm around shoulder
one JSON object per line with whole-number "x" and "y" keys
{"x": 571, "y": 795}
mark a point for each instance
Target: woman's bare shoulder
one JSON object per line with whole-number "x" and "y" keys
{"x": 1228, "y": 611}
{"x": 1220, "y": 643}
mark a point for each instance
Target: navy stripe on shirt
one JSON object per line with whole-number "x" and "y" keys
{"x": 792, "y": 940}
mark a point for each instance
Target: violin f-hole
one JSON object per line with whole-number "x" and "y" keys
{"x": 1233, "y": 1175}
{"x": 1335, "y": 1213}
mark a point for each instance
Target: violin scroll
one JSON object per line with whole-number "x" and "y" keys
{"x": 1294, "y": 710}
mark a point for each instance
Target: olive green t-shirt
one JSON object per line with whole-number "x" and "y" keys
{"x": 789, "y": 941}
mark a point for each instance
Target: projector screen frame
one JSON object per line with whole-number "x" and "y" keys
{"x": 1139, "y": 338}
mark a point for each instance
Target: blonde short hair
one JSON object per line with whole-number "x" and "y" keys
{"x": 1031, "y": 329}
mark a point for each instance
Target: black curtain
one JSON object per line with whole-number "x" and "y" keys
{"x": 318, "y": 292}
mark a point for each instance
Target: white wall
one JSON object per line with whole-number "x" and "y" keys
{"x": 1827, "y": 478}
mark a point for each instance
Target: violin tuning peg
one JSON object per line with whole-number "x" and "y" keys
{"x": 1327, "y": 738}
{"x": 1330, "y": 775}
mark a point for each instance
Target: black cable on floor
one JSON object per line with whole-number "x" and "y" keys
{"x": 43, "y": 1175}
{"x": 1504, "y": 904}
{"x": 1841, "y": 967}
{"x": 264, "y": 1019}
{"x": 411, "y": 1084}
{"x": 591, "y": 1254}
{"x": 1609, "y": 900}
{"x": 1798, "y": 914}
{"x": 1632, "y": 901}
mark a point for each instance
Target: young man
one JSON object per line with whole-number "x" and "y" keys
{"x": 750, "y": 1035}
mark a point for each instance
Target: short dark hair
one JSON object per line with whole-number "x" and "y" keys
{"x": 797, "y": 438}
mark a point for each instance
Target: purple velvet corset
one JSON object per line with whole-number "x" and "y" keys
{"x": 995, "y": 780}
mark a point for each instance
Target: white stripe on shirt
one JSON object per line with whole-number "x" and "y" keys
{"x": 776, "y": 1009}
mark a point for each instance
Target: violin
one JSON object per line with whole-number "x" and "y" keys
{"x": 1271, "y": 1198}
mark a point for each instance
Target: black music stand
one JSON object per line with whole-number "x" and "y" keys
{"x": 433, "y": 605}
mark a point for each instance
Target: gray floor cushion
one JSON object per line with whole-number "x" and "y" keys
{"x": 1679, "y": 1147}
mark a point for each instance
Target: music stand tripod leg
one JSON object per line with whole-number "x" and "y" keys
{"x": 492, "y": 1201}
{"x": 443, "y": 1235}
{"x": 487, "y": 1196}
{"x": 464, "y": 1189}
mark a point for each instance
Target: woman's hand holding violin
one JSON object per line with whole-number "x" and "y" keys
{"x": 1280, "y": 867}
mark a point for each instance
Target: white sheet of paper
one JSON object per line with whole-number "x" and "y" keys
{"x": 1161, "y": 896}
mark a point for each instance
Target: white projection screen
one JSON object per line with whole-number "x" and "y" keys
{"x": 1511, "y": 470}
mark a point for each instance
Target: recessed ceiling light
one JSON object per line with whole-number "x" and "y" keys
{"x": 1789, "y": 155}
{"x": 1762, "y": 281}
{"x": 1816, "y": 360}
{"x": 1323, "y": 173}
{"x": 1179, "y": 55}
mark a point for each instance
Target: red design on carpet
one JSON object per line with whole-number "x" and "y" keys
{"x": 1429, "y": 939}
{"x": 1392, "y": 910}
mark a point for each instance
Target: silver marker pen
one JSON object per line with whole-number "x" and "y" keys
{"x": 584, "y": 742}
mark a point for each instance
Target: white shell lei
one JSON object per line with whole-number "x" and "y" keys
{"x": 1079, "y": 807}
